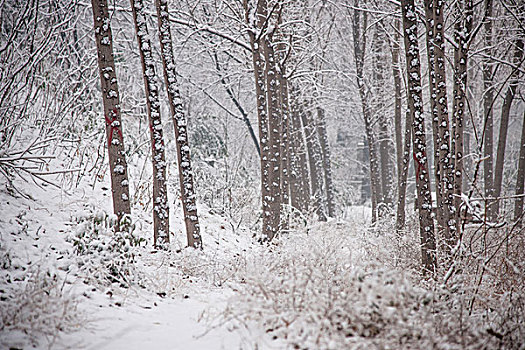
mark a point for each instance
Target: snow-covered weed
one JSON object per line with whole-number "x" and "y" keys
{"x": 105, "y": 255}
{"x": 33, "y": 305}
{"x": 334, "y": 289}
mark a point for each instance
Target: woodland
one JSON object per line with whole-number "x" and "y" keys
{"x": 262, "y": 174}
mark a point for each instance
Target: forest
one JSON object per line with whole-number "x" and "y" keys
{"x": 262, "y": 174}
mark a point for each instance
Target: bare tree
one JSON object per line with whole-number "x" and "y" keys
{"x": 299, "y": 176}
{"x": 415, "y": 105}
{"x": 314, "y": 161}
{"x": 520, "y": 179}
{"x": 160, "y": 194}
{"x": 488, "y": 101}
{"x": 110, "y": 96}
{"x": 359, "y": 55}
{"x": 402, "y": 144}
{"x": 462, "y": 36}
{"x": 256, "y": 19}
{"x": 327, "y": 167}
{"x": 187, "y": 187}
{"x": 381, "y": 117}
{"x": 504, "y": 123}
{"x": 443, "y": 165}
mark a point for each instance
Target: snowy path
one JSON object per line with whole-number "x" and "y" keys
{"x": 32, "y": 233}
{"x": 171, "y": 324}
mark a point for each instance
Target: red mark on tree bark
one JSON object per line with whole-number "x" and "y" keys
{"x": 113, "y": 127}
{"x": 417, "y": 164}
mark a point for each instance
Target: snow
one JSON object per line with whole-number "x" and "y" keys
{"x": 177, "y": 310}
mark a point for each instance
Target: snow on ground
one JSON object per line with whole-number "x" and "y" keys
{"x": 176, "y": 308}
{"x": 68, "y": 282}
{"x": 182, "y": 301}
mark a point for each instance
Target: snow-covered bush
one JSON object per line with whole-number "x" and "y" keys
{"x": 33, "y": 305}
{"x": 105, "y": 255}
{"x": 330, "y": 290}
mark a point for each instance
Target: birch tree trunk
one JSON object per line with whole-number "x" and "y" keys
{"x": 161, "y": 236}
{"x": 118, "y": 167}
{"x": 187, "y": 187}
{"x": 415, "y": 105}
{"x": 504, "y": 124}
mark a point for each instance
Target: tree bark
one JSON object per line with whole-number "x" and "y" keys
{"x": 431, "y": 57}
{"x": 402, "y": 146}
{"x": 260, "y": 92}
{"x": 443, "y": 170}
{"x": 285, "y": 135}
{"x": 385, "y": 198}
{"x": 488, "y": 100}
{"x": 415, "y": 105}
{"x": 118, "y": 167}
{"x": 314, "y": 162}
{"x": 359, "y": 52}
{"x": 187, "y": 187}
{"x": 160, "y": 193}
{"x": 398, "y": 128}
{"x": 504, "y": 124}
{"x": 520, "y": 180}
{"x": 327, "y": 167}
{"x": 462, "y": 32}
{"x": 274, "y": 133}
{"x": 299, "y": 177}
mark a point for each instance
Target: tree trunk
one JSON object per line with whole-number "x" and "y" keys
{"x": 504, "y": 124}
{"x": 398, "y": 128}
{"x": 401, "y": 201}
{"x": 445, "y": 158}
{"x": 284, "y": 145}
{"x": 386, "y": 173}
{"x": 260, "y": 92}
{"x": 359, "y": 52}
{"x": 462, "y": 30}
{"x": 274, "y": 133}
{"x": 431, "y": 57}
{"x": 299, "y": 183}
{"x": 402, "y": 148}
{"x": 415, "y": 105}
{"x": 187, "y": 187}
{"x": 118, "y": 167}
{"x": 520, "y": 179}
{"x": 488, "y": 100}
{"x": 327, "y": 167}
{"x": 314, "y": 162}
{"x": 160, "y": 193}
{"x": 284, "y": 123}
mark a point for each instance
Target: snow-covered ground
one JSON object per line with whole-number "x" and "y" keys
{"x": 69, "y": 282}
{"x": 174, "y": 309}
